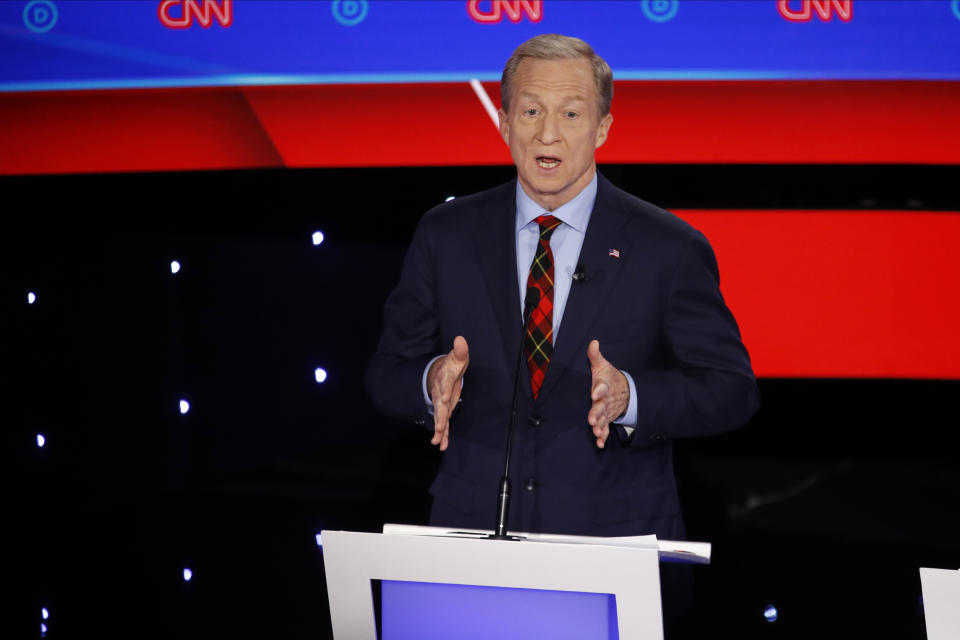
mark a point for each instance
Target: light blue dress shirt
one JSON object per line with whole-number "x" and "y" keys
{"x": 565, "y": 243}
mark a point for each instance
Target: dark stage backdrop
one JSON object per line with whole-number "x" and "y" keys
{"x": 824, "y": 505}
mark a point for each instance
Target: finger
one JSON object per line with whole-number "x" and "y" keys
{"x": 440, "y": 421}
{"x": 602, "y": 426}
{"x": 602, "y": 438}
{"x": 595, "y": 413}
{"x": 460, "y": 350}
{"x": 438, "y": 434}
{"x": 599, "y": 413}
{"x": 600, "y": 390}
{"x": 593, "y": 353}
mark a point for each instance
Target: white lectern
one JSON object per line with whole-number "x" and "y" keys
{"x": 941, "y": 603}
{"x": 626, "y": 568}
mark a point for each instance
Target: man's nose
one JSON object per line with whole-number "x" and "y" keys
{"x": 549, "y": 130}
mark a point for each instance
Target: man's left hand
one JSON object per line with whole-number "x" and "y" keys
{"x": 609, "y": 391}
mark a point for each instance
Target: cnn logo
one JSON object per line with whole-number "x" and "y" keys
{"x": 204, "y": 11}
{"x": 513, "y": 9}
{"x": 825, "y": 10}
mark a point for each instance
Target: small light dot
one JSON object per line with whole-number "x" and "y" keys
{"x": 187, "y": 575}
{"x": 449, "y": 198}
{"x": 41, "y": 440}
{"x": 770, "y": 613}
{"x": 175, "y": 267}
{"x": 44, "y": 613}
{"x": 184, "y": 407}
{"x": 317, "y": 237}
{"x": 320, "y": 374}
{"x": 31, "y": 297}
{"x": 319, "y": 541}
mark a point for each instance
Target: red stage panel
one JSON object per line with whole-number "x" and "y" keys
{"x": 118, "y": 131}
{"x": 445, "y": 124}
{"x": 842, "y": 293}
{"x": 378, "y": 125}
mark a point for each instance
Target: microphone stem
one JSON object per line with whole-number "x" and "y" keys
{"x": 531, "y": 300}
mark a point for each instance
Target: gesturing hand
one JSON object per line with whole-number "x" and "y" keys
{"x": 609, "y": 391}
{"x": 444, "y": 383}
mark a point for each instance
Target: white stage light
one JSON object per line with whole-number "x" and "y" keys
{"x": 174, "y": 267}
{"x": 319, "y": 541}
{"x": 449, "y": 198}
{"x": 770, "y": 613}
{"x": 41, "y": 440}
{"x": 187, "y": 574}
{"x": 31, "y": 297}
{"x": 44, "y": 613}
{"x": 43, "y": 630}
{"x": 184, "y": 407}
{"x": 320, "y": 374}
{"x": 317, "y": 238}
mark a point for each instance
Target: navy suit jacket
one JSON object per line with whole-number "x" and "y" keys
{"x": 658, "y": 314}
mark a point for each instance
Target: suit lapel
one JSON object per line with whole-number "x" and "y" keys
{"x": 496, "y": 247}
{"x": 588, "y": 300}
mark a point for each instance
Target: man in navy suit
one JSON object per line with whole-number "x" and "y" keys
{"x": 642, "y": 348}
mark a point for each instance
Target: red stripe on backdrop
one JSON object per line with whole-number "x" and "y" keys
{"x": 120, "y": 131}
{"x": 842, "y": 293}
{"x": 445, "y": 124}
{"x": 378, "y": 125}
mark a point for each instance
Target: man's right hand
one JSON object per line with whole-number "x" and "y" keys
{"x": 444, "y": 380}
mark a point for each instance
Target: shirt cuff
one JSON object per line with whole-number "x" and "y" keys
{"x": 423, "y": 384}
{"x": 629, "y": 419}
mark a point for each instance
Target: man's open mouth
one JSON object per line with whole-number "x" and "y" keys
{"x": 547, "y": 162}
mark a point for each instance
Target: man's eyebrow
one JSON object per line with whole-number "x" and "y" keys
{"x": 566, "y": 99}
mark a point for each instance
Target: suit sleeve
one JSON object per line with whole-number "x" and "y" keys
{"x": 709, "y": 386}
{"x": 410, "y": 337}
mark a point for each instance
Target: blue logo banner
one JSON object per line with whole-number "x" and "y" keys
{"x": 77, "y": 44}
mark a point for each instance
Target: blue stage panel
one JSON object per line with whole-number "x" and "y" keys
{"x": 69, "y": 44}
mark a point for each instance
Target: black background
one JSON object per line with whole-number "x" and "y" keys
{"x": 825, "y": 505}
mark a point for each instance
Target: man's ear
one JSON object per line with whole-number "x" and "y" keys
{"x": 604, "y": 129}
{"x": 504, "y": 126}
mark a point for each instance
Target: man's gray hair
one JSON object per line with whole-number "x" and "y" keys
{"x": 552, "y": 46}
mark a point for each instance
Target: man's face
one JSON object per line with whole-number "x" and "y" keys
{"x": 553, "y": 128}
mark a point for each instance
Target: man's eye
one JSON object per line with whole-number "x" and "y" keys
{"x": 530, "y": 112}
{"x": 571, "y": 114}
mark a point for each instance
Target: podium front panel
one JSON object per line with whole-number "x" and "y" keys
{"x": 437, "y": 611}
{"x": 352, "y": 560}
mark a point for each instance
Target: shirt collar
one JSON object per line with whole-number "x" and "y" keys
{"x": 575, "y": 213}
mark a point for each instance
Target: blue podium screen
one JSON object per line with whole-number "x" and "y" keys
{"x": 430, "y": 611}
{"x": 72, "y": 44}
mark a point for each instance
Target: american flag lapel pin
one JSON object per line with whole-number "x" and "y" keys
{"x": 615, "y": 253}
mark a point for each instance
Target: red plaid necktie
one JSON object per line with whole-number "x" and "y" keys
{"x": 539, "y": 336}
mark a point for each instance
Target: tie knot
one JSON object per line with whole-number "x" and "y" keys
{"x": 548, "y": 224}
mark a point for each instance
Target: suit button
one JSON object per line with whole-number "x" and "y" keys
{"x": 420, "y": 422}
{"x": 535, "y": 421}
{"x": 658, "y": 437}
{"x": 530, "y": 484}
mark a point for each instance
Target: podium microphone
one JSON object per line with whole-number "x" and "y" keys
{"x": 530, "y": 302}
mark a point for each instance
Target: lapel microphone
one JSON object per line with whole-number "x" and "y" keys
{"x": 530, "y": 303}
{"x": 580, "y": 274}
